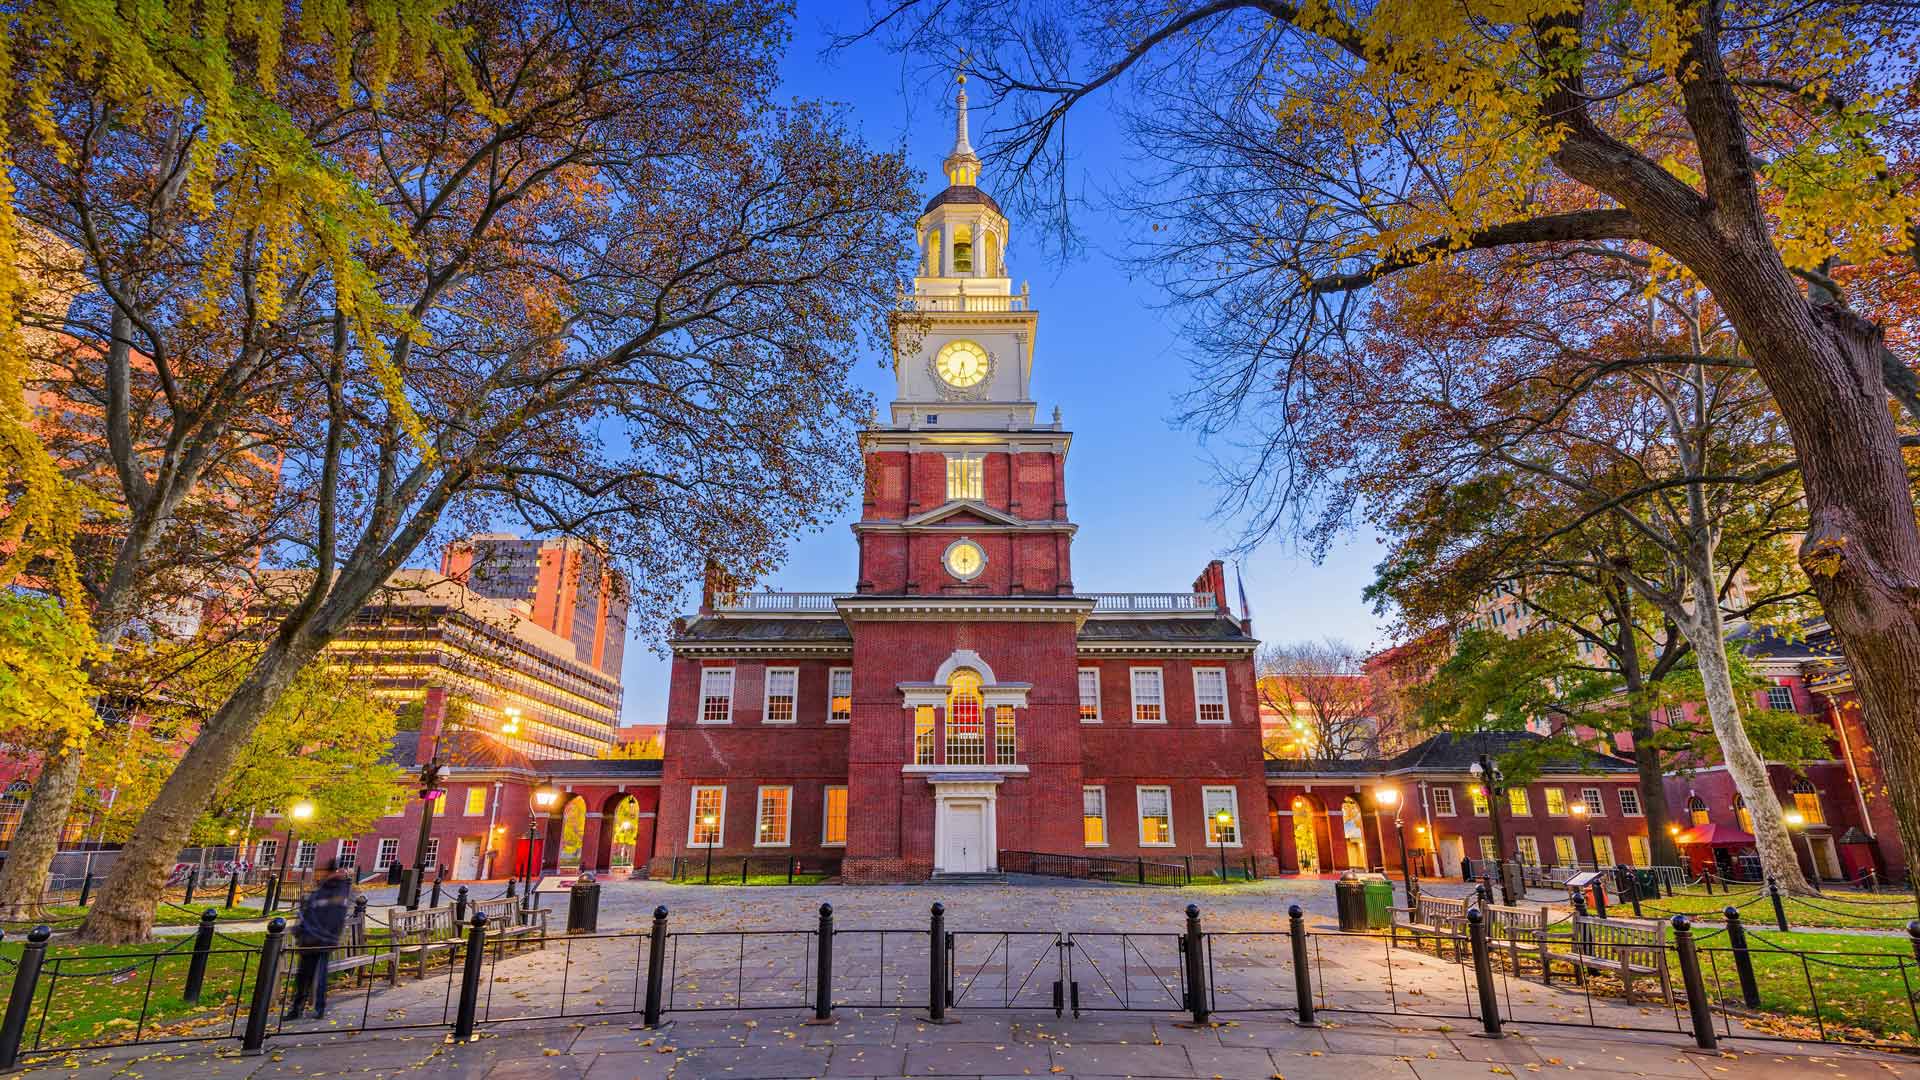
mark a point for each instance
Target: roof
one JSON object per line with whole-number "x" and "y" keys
{"x": 598, "y": 767}
{"x": 1451, "y": 753}
{"x": 1218, "y": 628}
{"x": 963, "y": 194}
{"x": 474, "y": 750}
{"x": 1712, "y": 835}
{"x": 827, "y": 627}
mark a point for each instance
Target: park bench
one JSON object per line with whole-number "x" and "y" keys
{"x": 1442, "y": 918}
{"x": 507, "y": 923}
{"x": 1630, "y": 950}
{"x": 355, "y": 952}
{"x": 1522, "y": 928}
{"x": 421, "y": 935}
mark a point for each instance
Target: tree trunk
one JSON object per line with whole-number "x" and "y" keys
{"x": 23, "y": 878}
{"x": 1653, "y": 779}
{"x": 123, "y": 909}
{"x": 1744, "y": 764}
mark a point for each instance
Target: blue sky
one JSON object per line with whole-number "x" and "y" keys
{"x": 1140, "y": 490}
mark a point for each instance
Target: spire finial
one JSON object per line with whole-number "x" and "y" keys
{"x": 963, "y": 165}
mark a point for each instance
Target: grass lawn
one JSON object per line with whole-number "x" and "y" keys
{"x": 111, "y": 993}
{"x": 1846, "y": 910}
{"x": 1855, "y": 979}
{"x": 167, "y": 915}
{"x": 751, "y": 879}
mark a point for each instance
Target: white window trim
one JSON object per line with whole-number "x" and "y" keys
{"x": 466, "y": 801}
{"x": 831, "y": 672}
{"x": 1106, "y": 819}
{"x": 786, "y": 824}
{"x": 1239, "y": 829}
{"x": 1140, "y": 817}
{"x": 1564, "y": 804}
{"x": 766, "y": 699}
{"x": 1519, "y": 849}
{"x": 693, "y": 822}
{"x": 1525, "y": 797}
{"x": 972, "y": 466}
{"x": 1599, "y": 799}
{"x": 382, "y": 850}
{"x": 1133, "y": 692}
{"x": 824, "y": 842}
{"x": 1639, "y": 808}
{"x": 1573, "y": 847}
{"x": 700, "y": 706}
{"x": 1226, "y": 698}
{"x": 1095, "y": 672}
{"x": 1453, "y": 807}
{"x": 1476, "y": 802}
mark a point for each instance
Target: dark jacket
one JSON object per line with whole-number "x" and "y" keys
{"x": 323, "y": 912}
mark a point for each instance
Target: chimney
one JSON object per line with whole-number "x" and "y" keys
{"x": 1214, "y": 580}
{"x": 433, "y": 714}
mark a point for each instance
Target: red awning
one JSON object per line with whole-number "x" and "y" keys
{"x": 1711, "y": 835}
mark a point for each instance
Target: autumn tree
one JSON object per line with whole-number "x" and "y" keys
{"x": 1321, "y": 692}
{"x": 631, "y": 287}
{"x": 1307, "y": 154}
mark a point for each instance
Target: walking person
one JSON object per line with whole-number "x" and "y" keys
{"x": 323, "y": 915}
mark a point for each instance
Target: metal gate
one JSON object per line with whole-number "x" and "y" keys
{"x": 1117, "y": 972}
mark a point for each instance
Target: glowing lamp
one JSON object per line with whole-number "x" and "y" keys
{"x": 544, "y": 798}
{"x": 1578, "y": 809}
{"x": 301, "y": 811}
{"x": 1386, "y": 796}
{"x": 1794, "y": 819}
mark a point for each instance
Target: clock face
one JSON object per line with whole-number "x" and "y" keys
{"x": 962, "y": 364}
{"x": 965, "y": 560}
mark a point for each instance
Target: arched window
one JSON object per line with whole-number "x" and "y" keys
{"x": 1697, "y": 809}
{"x": 13, "y": 803}
{"x": 962, "y": 250}
{"x": 966, "y": 723}
{"x": 1807, "y": 800}
{"x": 1745, "y": 815}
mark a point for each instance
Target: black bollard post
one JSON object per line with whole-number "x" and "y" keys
{"x": 823, "y": 970}
{"x": 1913, "y": 938}
{"x": 233, "y": 888}
{"x": 1140, "y": 868}
{"x": 1779, "y": 907}
{"x": 1600, "y": 898}
{"x": 1302, "y": 974}
{"x": 1195, "y": 944}
{"x": 1483, "y": 974}
{"x": 463, "y": 1019}
{"x": 937, "y": 965}
{"x": 433, "y": 899}
{"x": 1698, "y": 1007}
{"x": 656, "y": 966}
{"x": 1742, "y": 958}
{"x": 193, "y": 878}
{"x": 1667, "y": 879}
{"x": 26, "y": 982}
{"x": 1633, "y": 892}
{"x": 197, "y": 966}
{"x": 86, "y": 888}
{"x": 1708, "y": 878}
{"x": 460, "y": 904}
{"x": 272, "y": 900}
{"x": 511, "y": 882}
{"x": 266, "y": 978}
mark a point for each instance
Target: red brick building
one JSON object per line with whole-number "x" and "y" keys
{"x": 963, "y": 698}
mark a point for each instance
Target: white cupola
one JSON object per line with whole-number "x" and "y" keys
{"x": 962, "y": 234}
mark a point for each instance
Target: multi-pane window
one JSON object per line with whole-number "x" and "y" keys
{"x": 833, "y": 831}
{"x": 1676, "y": 713}
{"x": 1093, "y": 816}
{"x": 349, "y": 852}
{"x": 1089, "y": 695}
{"x": 966, "y": 474}
{"x": 1488, "y": 850}
{"x": 1156, "y": 816}
{"x": 1563, "y": 852}
{"x": 1443, "y": 801}
{"x": 708, "y": 824}
{"x": 269, "y": 852}
{"x": 716, "y": 696}
{"x": 383, "y": 855}
{"x": 1003, "y": 736}
{"x": 1222, "y": 806}
{"x": 1639, "y": 851}
{"x": 476, "y": 801}
{"x": 1603, "y": 851}
{"x": 1556, "y": 802}
{"x": 839, "y": 695}
{"x": 1807, "y": 801}
{"x": 783, "y": 685}
{"x": 923, "y": 735}
{"x": 1630, "y": 805}
{"x": 13, "y": 805}
{"x": 1780, "y": 698}
{"x": 433, "y": 852}
{"x": 1480, "y": 807}
{"x": 1697, "y": 810}
{"x": 1740, "y": 812}
{"x": 1528, "y": 848}
{"x": 775, "y": 814}
{"x": 303, "y": 855}
{"x": 1517, "y": 799}
{"x": 1596, "y": 805}
{"x": 966, "y": 722}
{"x": 1210, "y": 695}
{"x": 1149, "y": 697}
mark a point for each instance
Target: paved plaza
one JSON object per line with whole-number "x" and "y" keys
{"x": 742, "y": 957}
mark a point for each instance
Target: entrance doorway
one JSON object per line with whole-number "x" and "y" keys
{"x": 1826, "y": 860}
{"x": 1353, "y": 827}
{"x": 466, "y": 859}
{"x": 966, "y": 834}
{"x": 1453, "y": 855}
{"x": 1305, "y": 844}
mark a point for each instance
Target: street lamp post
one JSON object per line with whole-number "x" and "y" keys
{"x": 708, "y": 822}
{"x": 1487, "y": 771}
{"x": 430, "y": 792}
{"x": 1220, "y": 822}
{"x": 1579, "y": 811}
{"x": 297, "y": 814}
{"x": 1390, "y": 797}
{"x": 1797, "y": 826}
{"x": 542, "y": 801}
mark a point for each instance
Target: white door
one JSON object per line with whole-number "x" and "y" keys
{"x": 1453, "y": 852}
{"x": 466, "y": 859}
{"x": 966, "y": 838}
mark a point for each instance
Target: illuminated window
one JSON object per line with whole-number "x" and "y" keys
{"x": 1528, "y": 849}
{"x": 1003, "y": 738}
{"x": 1630, "y": 805}
{"x": 1596, "y": 805}
{"x": 1639, "y": 851}
{"x": 1780, "y": 698}
{"x": 1556, "y": 802}
{"x": 708, "y": 825}
{"x": 839, "y": 695}
{"x": 782, "y": 687}
{"x": 1807, "y": 801}
{"x": 1563, "y": 852}
{"x": 1156, "y": 816}
{"x": 1603, "y": 851}
{"x": 384, "y": 854}
{"x": 476, "y": 801}
{"x": 1480, "y": 806}
{"x": 1697, "y": 810}
{"x": 1487, "y": 850}
{"x": 966, "y": 723}
{"x": 966, "y": 475}
{"x": 1210, "y": 695}
{"x": 833, "y": 832}
{"x": 13, "y": 804}
{"x": 923, "y": 735}
{"x": 776, "y": 809}
{"x": 74, "y": 830}
{"x": 1149, "y": 702}
{"x": 1741, "y": 812}
{"x": 1089, "y": 695}
{"x": 1093, "y": 816}
{"x": 348, "y": 852}
{"x": 1443, "y": 801}
{"x": 1212, "y": 801}
{"x": 716, "y": 696}
{"x": 1517, "y": 800}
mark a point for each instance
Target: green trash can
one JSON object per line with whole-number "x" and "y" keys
{"x": 1378, "y": 891}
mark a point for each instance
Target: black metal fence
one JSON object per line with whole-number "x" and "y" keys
{"x": 752, "y": 869}
{"x": 1177, "y": 870}
{"x": 1707, "y": 984}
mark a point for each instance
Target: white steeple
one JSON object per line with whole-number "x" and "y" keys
{"x": 962, "y": 165}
